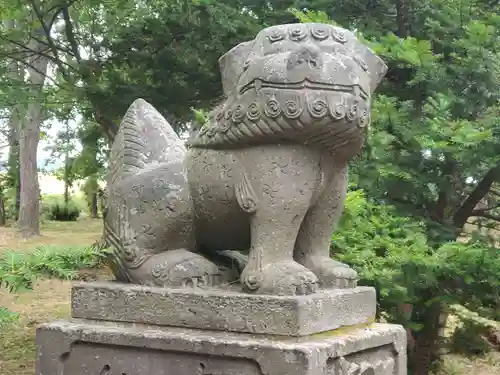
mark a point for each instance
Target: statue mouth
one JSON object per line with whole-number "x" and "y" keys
{"x": 306, "y": 84}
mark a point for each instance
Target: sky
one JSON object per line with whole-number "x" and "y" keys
{"x": 43, "y": 153}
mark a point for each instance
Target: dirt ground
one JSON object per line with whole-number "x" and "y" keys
{"x": 50, "y": 300}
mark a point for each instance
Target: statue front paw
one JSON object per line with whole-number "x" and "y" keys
{"x": 331, "y": 273}
{"x": 280, "y": 278}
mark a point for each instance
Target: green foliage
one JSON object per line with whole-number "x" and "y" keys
{"x": 391, "y": 253}
{"x": 18, "y": 270}
{"x": 166, "y": 53}
{"x": 7, "y": 317}
{"x": 200, "y": 116}
{"x": 435, "y": 117}
{"x": 60, "y": 211}
{"x": 54, "y": 208}
{"x": 311, "y": 15}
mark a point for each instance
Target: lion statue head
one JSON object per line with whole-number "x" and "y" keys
{"x": 308, "y": 84}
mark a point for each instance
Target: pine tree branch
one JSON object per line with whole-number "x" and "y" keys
{"x": 495, "y": 192}
{"x": 483, "y": 210}
{"x": 489, "y": 216}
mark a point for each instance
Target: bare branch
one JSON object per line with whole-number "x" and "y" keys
{"x": 32, "y": 52}
{"x": 482, "y": 188}
{"x": 70, "y": 35}
{"x": 30, "y": 66}
{"x": 45, "y": 27}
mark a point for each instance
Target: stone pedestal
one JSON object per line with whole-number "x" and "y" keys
{"x": 132, "y": 330}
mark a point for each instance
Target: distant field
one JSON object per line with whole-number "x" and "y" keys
{"x": 49, "y": 184}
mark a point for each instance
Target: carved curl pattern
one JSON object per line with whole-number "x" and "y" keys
{"x": 338, "y": 110}
{"x": 224, "y": 126}
{"x": 352, "y": 112}
{"x": 159, "y": 271}
{"x": 339, "y": 36}
{"x": 292, "y": 107}
{"x": 204, "y": 129}
{"x": 320, "y": 32}
{"x": 318, "y": 108}
{"x": 276, "y": 35}
{"x": 219, "y": 116}
{"x": 297, "y": 32}
{"x": 211, "y": 131}
{"x": 253, "y": 112}
{"x": 364, "y": 119}
{"x": 272, "y": 108}
{"x": 238, "y": 113}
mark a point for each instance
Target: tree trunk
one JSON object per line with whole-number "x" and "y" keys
{"x": 426, "y": 350}
{"x": 94, "y": 210}
{"x": 29, "y": 212}
{"x": 66, "y": 178}
{"x": 3, "y": 218}
{"x": 13, "y": 163}
{"x": 16, "y": 73}
{"x": 403, "y": 17}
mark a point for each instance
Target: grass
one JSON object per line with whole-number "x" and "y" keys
{"x": 458, "y": 365}
{"x": 81, "y": 232}
{"x": 50, "y": 300}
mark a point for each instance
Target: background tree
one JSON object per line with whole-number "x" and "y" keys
{"x": 433, "y": 150}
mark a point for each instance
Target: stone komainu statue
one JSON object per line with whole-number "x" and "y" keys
{"x": 266, "y": 176}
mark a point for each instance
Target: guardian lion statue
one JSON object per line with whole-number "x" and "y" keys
{"x": 250, "y": 202}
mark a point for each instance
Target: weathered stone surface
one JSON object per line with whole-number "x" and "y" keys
{"x": 224, "y": 310}
{"x": 82, "y": 347}
{"x": 266, "y": 175}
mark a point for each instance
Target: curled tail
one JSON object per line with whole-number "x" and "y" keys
{"x": 144, "y": 138}
{"x": 147, "y": 194}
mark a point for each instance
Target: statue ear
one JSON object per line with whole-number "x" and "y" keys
{"x": 232, "y": 63}
{"x": 375, "y": 66}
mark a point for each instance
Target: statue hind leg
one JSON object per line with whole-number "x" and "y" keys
{"x": 149, "y": 218}
{"x": 149, "y": 226}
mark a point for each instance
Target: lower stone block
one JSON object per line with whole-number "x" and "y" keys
{"x": 85, "y": 347}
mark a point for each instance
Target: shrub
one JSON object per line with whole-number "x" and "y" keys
{"x": 60, "y": 211}
{"x": 392, "y": 253}
{"x": 386, "y": 249}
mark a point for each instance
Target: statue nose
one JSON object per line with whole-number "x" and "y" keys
{"x": 304, "y": 57}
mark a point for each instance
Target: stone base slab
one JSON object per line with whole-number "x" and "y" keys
{"x": 84, "y": 347}
{"x": 224, "y": 310}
